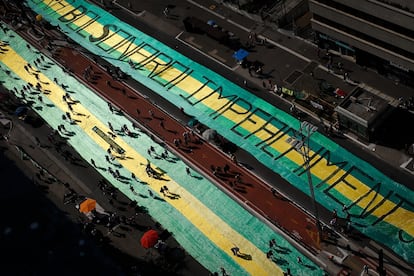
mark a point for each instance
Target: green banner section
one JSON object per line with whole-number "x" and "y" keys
{"x": 379, "y": 207}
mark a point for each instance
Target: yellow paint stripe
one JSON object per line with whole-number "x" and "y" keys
{"x": 400, "y": 218}
{"x": 202, "y": 217}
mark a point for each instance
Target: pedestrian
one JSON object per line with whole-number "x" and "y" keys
{"x": 110, "y": 126}
{"x": 235, "y": 250}
{"x": 149, "y": 152}
{"x": 133, "y": 176}
{"x": 272, "y": 243}
{"x": 110, "y": 108}
{"x": 348, "y": 226}
{"x": 237, "y": 178}
{"x": 110, "y": 170}
{"x": 269, "y": 254}
{"x": 223, "y": 272}
{"x": 37, "y": 141}
{"x": 162, "y": 124}
{"x": 68, "y": 115}
{"x": 292, "y": 108}
{"x": 162, "y": 191}
{"x": 93, "y": 162}
{"x": 131, "y": 188}
{"x": 108, "y": 83}
{"x": 51, "y": 138}
{"x": 233, "y": 158}
{"x": 226, "y": 168}
{"x": 117, "y": 173}
{"x": 165, "y": 189}
{"x": 40, "y": 99}
{"x": 166, "y": 11}
{"x": 245, "y": 83}
{"x": 329, "y": 67}
{"x": 151, "y": 113}
{"x": 151, "y": 193}
{"x": 63, "y": 127}
{"x": 138, "y": 111}
{"x": 107, "y": 159}
{"x": 186, "y": 137}
{"x": 366, "y": 269}
{"x": 299, "y": 260}
{"x": 187, "y": 170}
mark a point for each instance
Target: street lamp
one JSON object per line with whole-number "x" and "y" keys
{"x": 302, "y": 146}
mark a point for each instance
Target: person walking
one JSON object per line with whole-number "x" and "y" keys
{"x": 166, "y": 11}
{"x": 226, "y": 168}
{"x": 235, "y": 250}
{"x": 366, "y": 269}
{"x": 187, "y": 170}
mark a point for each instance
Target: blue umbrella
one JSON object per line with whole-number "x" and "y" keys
{"x": 211, "y": 22}
{"x": 240, "y": 54}
{"x": 21, "y": 110}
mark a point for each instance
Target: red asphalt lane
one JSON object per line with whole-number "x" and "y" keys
{"x": 252, "y": 191}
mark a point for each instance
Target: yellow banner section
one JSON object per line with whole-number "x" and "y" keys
{"x": 213, "y": 227}
{"x": 400, "y": 217}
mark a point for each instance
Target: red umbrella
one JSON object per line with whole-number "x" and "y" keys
{"x": 149, "y": 239}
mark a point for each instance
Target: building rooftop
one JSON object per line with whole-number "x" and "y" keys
{"x": 364, "y": 105}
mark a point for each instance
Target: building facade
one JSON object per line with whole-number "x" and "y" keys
{"x": 378, "y": 34}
